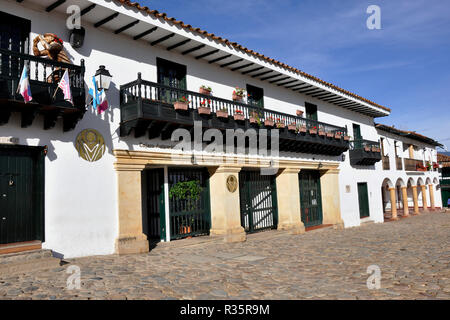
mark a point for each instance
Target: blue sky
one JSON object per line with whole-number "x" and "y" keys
{"x": 404, "y": 66}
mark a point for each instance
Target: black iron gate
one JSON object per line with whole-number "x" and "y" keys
{"x": 258, "y": 199}
{"x": 310, "y": 197}
{"x": 21, "y": 194}
{"x": 154, "y": 227}
{"x": 189, "y": 217}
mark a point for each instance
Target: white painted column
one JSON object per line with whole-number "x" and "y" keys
{"x": 166, "y": 202}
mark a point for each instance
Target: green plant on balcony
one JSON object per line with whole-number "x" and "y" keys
{"x": 205, "y": 90}
{"x": 255, "y": 117}
{"x": 428, "y": 166}
{"x": 280, "y": 123}
{"x": 182, "y": 103}
{"x": 238, "y": 94}
{"x": 204, "y": 107}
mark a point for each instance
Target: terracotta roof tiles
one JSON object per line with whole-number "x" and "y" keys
{"x": 164, "y": 16}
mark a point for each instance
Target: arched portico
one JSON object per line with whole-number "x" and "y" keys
{"x": 402, "y": 197}
{"x": 389, "y": 199}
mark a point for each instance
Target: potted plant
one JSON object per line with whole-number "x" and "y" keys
{"x": 299, "y": 113}
{"x": 222, "y": 113}
{"x": 204, "y": 107}
{"x": 268, "y": 122}
{"x": 238, "y": 115}
{"x": 428, "y": 166}
{"x": 367, "y": 148}
{"x": 321, "y": 131}
{"x": 330, "y": 134}
{"x": 347, "y": 138}
{"x": 338, "y": 136}
{"x": 292, "y": 126}
{"x": 280, "y": 123}
{"x": 313, "y": 130}
{"x": 374, "y": 149}
{"x": 238, "y": 94}
{"x": 181, "y": 104}
{"x": 205, "y": 90}
{"x": 255, "y": 118}
{"x": 301, "y": 128}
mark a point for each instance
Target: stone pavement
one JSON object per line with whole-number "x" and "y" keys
{"x": 413, "y": 255}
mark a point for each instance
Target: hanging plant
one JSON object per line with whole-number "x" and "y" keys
{"x": 184, "y": 190}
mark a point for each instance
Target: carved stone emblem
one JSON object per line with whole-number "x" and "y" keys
{"x": 232, "y": 183}
{"x": 90, "y": 145}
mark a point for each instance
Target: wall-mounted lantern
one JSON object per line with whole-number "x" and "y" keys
{"x": 102, "y": 78}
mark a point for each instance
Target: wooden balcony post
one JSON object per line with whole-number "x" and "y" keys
{"x": 289, "y": 214}
{"x": 393, "y": 204}
{"x": 405, "y": 201}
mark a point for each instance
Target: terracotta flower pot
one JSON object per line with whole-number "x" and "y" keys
{"x": 330, "y": 135}
{"x": 204, "y": 110}
{"x": 237, "y": 98}
{"x": 253, "y": 120}
{"x": 347, "y": 138}
{"x": 268, "y": 123}
{"x": 281, "y": 125}
{"x": 322, "y": 133}
{"x": 239, "y": 117}
{"x": 205, "y": 92}
{"x": 367, "y": 149}
{"x": 292, "y": 127}
{"x": 337, "y": 136}
{"x": 302, "y": 129}
{"x": 222, "y": 114}
{"x": 185, "y": 230}
{"x": 374, "y": 149}
{"x": 299, "y": 113}
{"x": 180, "y": 105}
{"x": 312, "y": 131}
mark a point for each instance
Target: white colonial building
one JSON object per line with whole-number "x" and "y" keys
{"x": 80, "y": 182}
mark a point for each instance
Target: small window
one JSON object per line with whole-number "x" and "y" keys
{"x": 255, "y": 96}
{"x": 172, "y": 75}
{"x": 311, "y": 111}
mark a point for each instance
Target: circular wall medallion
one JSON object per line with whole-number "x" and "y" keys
{"x": 90, "y": 145}
{"x": 232, "y": 183}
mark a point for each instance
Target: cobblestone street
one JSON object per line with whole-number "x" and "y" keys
{"x": 413, "y": 255}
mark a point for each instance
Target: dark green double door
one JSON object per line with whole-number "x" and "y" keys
{"x": 187, "y": 217}
{"x": 258, "y": 201}
{"x": 21, "y": 194}
{"x": 363, "y": 200}
{"x": 310, "y": 198}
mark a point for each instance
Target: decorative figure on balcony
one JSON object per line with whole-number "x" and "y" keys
{"x": 53, "y": 50}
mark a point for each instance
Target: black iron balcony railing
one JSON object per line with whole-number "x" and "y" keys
{"x": 399, "y": 163}
{"x": 148, "y": 102}
{"x": 386, "y": 164}
{"x": 44, "y": 75}
{"x": 364, "y": 152}
{"x": 414, "y": 165}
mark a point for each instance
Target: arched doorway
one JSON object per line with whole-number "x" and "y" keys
{"x": 388, "y": 196}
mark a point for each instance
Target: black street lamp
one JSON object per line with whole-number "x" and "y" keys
{"x": 103, "y": 78}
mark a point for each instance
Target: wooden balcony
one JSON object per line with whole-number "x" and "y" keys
{"x": 44, "y": 75}
{"x": 148, "y": 108}
{"x": 414, "y": 165}
{"x": 364, "y": 152}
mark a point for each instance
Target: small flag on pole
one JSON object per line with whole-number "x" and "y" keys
{"x": 103, "y": 103}
{"x": 64, "y": 85}
{"x": 24, "y": 85}
{"x": 93, "y": 92}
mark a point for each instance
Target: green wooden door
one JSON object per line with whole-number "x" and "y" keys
{"x": 310, "y": 198}
{"x": 255, "y": 96}
{"x": 172, "y": 75}
{"x": 156, "y": 222}
{"x": 363, "y": 199}
{"x": 311, "y": 111}
{"x": 21, "y": 194}
{"x": 189, "y": 217}
{"x": 258, "y": 200}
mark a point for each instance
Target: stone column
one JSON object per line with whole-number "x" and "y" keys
{"x": 424, "y": 197}
{"x": 131, "y": 238}
{"x": 430, "y": 186}
{"x": 288, "y": 200}
{"x": 405, "y": 201}
{"x": 393, "y": 203}
{"x": 331, "y": 206}
{"x": 416, "y": 200}
{"x": 225, "y": 206}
